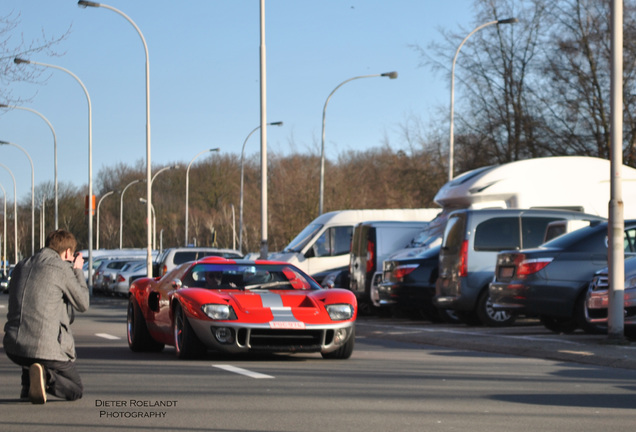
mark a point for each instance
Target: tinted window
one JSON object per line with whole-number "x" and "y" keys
{"x": 497, "y": 234}
{"x": 181, "y": 257}
{"x": 454, "y": 234}
{"x": 534, "y": 230}
{"x": 301, "y": 240}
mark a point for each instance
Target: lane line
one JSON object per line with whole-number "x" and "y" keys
{"x": 107, "y": 336}
{"x": 242, "y": 371}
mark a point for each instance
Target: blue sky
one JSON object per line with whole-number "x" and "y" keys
{"x": 204, "y": 79}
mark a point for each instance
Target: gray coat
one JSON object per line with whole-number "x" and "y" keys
{"x": 38, "y": 324}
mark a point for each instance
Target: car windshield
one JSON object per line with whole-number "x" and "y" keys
{"x": 247, "y": 277}
{"x": 301, "y": 240}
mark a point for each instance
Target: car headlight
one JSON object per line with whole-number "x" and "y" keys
{"x": 219, "y": 311}
{"x": 339, "y": 312}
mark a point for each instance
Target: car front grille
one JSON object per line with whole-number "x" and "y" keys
{"x": 284, "y": 340}
{"x": 600, "y": 283}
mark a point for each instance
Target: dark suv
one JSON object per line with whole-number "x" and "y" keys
{"x": 551, "y": 281}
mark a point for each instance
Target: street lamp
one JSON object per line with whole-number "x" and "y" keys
{"x": 99, "y": 204}
{"x": 15, "y": 215}
{"x": 32, "y": 193}
{"x": 4, "y": 232}
{"x": 121, "y": 209}
{"x": 54, "y": 151}
{"x": 148, "y": 150}
{"x": 188, "y": 189}
{"x": 452, "y": 103}
{"x": 90, "y": 163}
{"x": 154, "y": 222}
{"x": 280, "y": 123}
{"x": 391, "y": 75}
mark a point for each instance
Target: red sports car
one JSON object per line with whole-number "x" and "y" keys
{"x": 238, "y": 306}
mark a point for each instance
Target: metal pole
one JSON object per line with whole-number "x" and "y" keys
{"x": 97, "y": 217}
{"x": 121, "y": 210}
{"x": 148, "y": 147}
{"x": 15, "y": 215}
{"x": 391, "y": 75}
{"x": 242, "y": 176}
{"x": 616, "y": 224}
{"x": 32, "y": 192}
{"x": 54, "y": 152}
{"x": 188, "y": 189}
{"x": 263, "y": 82}
{"x": 4, "y": 232}
{"x": 90, "y": 164}
{"x": 451, "y": 143}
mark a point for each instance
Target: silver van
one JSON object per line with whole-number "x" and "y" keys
{"x": 372, "y": 242}
{"x": 467, "y": 260}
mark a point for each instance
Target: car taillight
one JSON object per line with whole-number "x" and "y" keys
{"x": 370, "y": 255}
{"x": 526, "y": 267}
{"x": 463, "y": 259}
{"x": 164, "y": 270}
{"x": 120, "y": 278}
{"x": 401, "y": 271}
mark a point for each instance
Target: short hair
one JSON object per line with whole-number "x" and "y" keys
{"x": 60, "y": 240}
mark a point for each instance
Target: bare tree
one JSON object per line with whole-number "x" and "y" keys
{"x": 14, "y": 44}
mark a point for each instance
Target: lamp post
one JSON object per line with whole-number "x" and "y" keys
{"x": 152, "y": 208}
{"x": 452, "y": 102}
{"x": 154, "y": 222}
{"x": 15, "y": 215}
{"x": 32, "y": 192}
{"x": 188, "y": 189}
{"x": 99, "y": 204}
{"x": 121, "y": 209}
{"x": 54, "y": 152}
{"x": 90, "y": 164}
{"x": 391, "y": 75}
{"x": 148, "y": 148}
{"x": 280, "y": 123}
{"x": 4, "y": 232}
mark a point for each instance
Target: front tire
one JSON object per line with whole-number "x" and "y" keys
{"x": 139, "y": 339}
{"x": 186, "y": 342}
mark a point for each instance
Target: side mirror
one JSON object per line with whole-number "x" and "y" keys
{"x": 176, "y": 283}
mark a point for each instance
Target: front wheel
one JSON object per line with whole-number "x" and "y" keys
{"x": 186, "y": 342}
{"x": 139, "y": 338}
{"x": 345, "y": 351}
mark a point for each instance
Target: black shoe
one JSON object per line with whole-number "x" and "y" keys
{"x": 37, "y": 387}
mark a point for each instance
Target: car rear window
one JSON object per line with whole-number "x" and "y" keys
{"x": 454, "y": 234}
{"x": 503, "y": 233}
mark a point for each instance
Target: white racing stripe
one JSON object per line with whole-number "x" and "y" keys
{"x": 241, "y": 371}
{"x": 107, "y": 336}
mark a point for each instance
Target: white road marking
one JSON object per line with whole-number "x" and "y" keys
{"x": 241, "y": 371}
{"x": 107, "y": 336}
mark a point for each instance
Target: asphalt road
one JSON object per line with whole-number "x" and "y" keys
{"x": 403, "y": 376}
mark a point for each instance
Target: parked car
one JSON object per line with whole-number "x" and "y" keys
{"x": 597, "y": 299}
{"x": 127, "y": 275}
{"x": 551, "y": 281}
{"x": 106, "y": 272}
{"x": 323, "y": 246}
{"x": 172, "y": 257}
{"x": 409, "y": 285}
{"x": 472, "y": 239}
{"x": 5, "y": 279}
{"x": 372, "y": 242}
{"x": 239, "y": 306}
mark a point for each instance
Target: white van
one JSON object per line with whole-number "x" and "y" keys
{"x": 373, "y": 242}
{"x": 324, "y": 244}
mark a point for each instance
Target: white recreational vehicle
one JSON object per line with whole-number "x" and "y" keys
{"x": 324, "y": 244}
{"x": 577, "y": 183}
